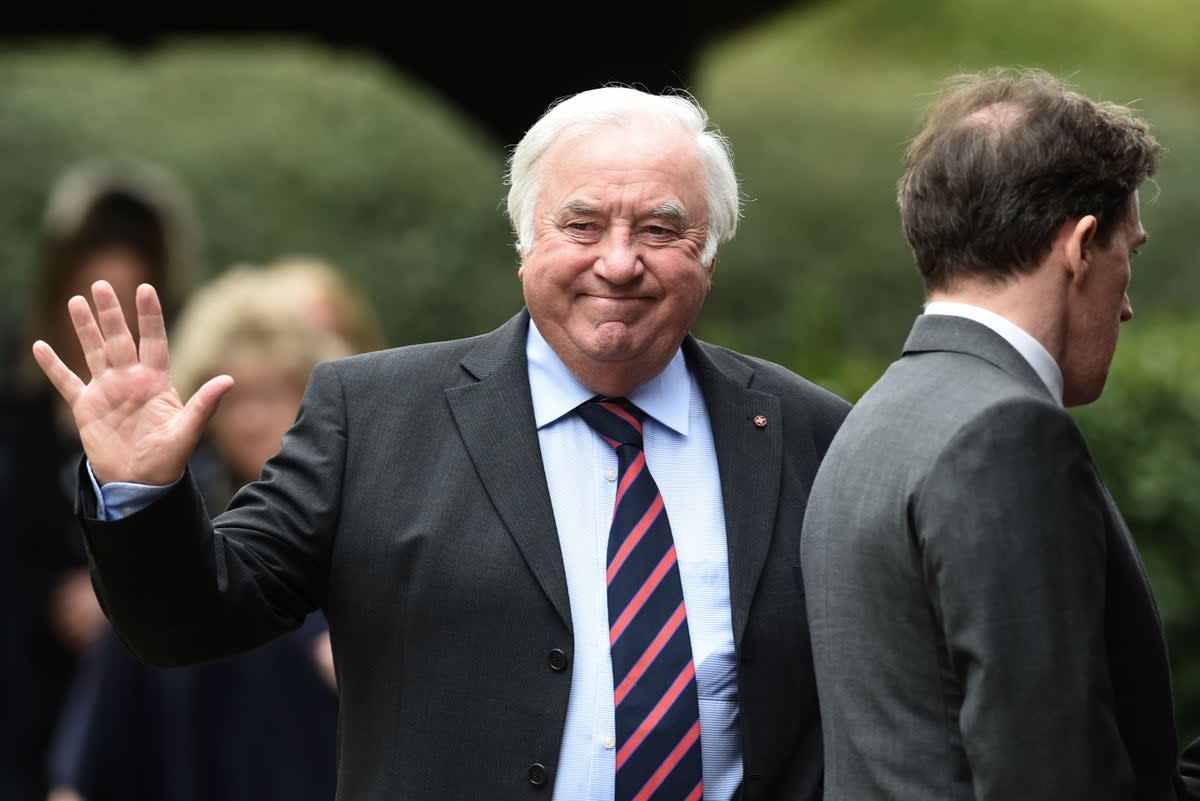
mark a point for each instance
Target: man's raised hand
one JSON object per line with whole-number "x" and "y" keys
{"x": 132, "y": 423}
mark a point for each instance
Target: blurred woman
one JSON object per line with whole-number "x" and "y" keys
{"x": 327, "y": 299}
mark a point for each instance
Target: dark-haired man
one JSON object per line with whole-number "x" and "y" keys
{"x": 982, "y": 624}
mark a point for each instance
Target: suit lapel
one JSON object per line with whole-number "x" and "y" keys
{"x": 750, "y": 461}
{"x": 494, "y": 415}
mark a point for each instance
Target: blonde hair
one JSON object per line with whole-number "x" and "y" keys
{"x": 354, "y": 319}
{"x": 247, "y": 312}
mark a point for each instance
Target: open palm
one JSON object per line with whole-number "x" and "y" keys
{"x": 132, "y": 422}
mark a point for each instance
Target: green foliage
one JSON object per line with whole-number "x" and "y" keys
{"x": 818, "y": 104}
{"x": 286, "y": 148}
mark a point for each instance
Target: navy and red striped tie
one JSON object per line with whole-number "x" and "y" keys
{"x": 654, "y": 678}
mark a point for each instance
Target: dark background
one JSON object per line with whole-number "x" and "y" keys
{"x": 500, "y": 63}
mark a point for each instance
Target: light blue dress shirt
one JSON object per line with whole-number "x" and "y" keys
{"x": 581, "y": 471}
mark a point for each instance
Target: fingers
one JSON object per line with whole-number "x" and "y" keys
{"x": 200, "y": 407}
{"x": 89, "y": 335}
{"x": 152, "y": 331}
{"x": 105, "y": 337}
{"x": 118, "y": 342}
{"x": 67, "y": 383}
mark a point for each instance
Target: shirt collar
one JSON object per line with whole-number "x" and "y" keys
{"x": 1025, "y": 344}
{"x": 557, "y": 391}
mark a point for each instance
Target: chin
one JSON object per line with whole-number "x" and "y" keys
{"x": 611, "y": 347}
{"x": 612, "y": 356}
{"x": 1082, "y": 396}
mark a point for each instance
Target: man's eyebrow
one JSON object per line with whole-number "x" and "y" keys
{"x": 576, "y": 207}
{"x": 671, "y": 210}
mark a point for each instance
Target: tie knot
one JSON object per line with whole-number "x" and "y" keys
{"x": 615, "y": 419}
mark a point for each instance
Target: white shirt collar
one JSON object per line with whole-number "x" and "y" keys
{"x": 1030, "y": 349}
{"x": 557, "y": 391}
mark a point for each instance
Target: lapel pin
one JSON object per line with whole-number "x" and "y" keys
{"x": 760, "y": 421}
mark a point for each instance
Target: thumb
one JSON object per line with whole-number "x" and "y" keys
{"x": 200, "y": 408}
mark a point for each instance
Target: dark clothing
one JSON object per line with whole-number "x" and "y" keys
{"x": 257, "y": 727}
{"x": 260, "y": 726}
{"x": 39, "y": 540}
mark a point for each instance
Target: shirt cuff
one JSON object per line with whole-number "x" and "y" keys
{"x": 119, "y": 499}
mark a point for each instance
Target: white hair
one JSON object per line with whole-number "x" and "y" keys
{"x": 616, "y": 106}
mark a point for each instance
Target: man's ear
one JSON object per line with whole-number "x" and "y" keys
{"x": 1080, "y": 244}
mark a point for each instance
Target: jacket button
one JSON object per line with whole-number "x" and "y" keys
{"x": 537, "y": 773}
{"x": 558, "y": 659}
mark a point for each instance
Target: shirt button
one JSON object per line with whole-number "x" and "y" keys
{"x": 610, "y": 743}
{"x": 611, "y": 474}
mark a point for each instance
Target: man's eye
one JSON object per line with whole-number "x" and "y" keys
{"x": 581, "y": 226}
{"x": 659, "y": 230}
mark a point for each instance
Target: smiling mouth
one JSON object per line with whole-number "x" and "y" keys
{"x": 618, "y": 298}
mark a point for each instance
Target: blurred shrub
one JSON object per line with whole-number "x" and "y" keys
{"x": 286, "y": 148}
{"x": 818, "y": 103}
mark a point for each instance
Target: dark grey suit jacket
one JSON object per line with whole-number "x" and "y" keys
{"x": 410, "y": 503}
{"x": 982, "y": 625}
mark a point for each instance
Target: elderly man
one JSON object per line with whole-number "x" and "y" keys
{"x": 982, "y": 625}
{"x": 558, "y": 560}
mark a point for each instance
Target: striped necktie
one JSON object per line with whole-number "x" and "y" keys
{"x": 654, "y": 679}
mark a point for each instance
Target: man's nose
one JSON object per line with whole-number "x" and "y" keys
{"x": 1126, "y": 309}
{"x": 618, "y": 261}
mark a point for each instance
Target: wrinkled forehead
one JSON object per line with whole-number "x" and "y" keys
{"x": 658, "y": 158}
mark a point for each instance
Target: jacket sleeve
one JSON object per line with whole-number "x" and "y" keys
{"x": 1011, "y": 523}
{"x": 180, "y": 589}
